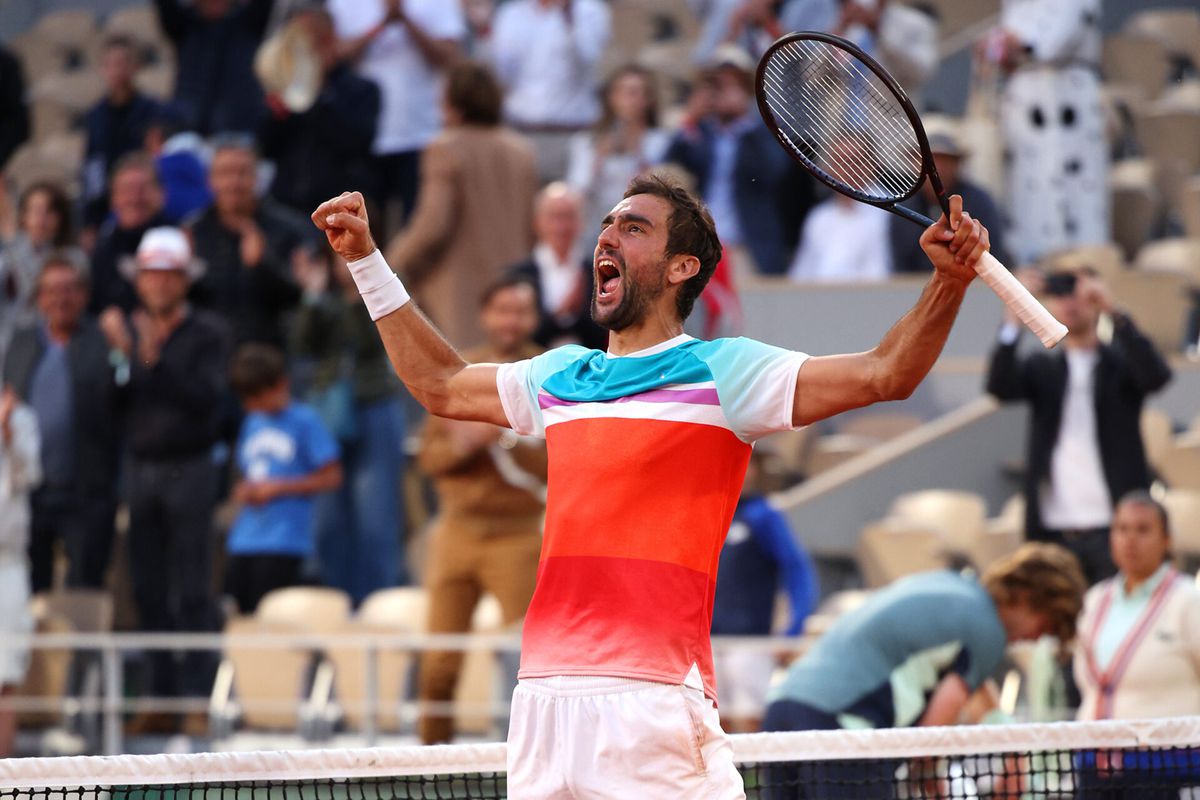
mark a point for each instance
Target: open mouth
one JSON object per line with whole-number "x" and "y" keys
{"x": 608, "y": 277}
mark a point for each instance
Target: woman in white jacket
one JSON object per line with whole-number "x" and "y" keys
{"x": 1139, "y": 641}
{"x": 20, "y": 472}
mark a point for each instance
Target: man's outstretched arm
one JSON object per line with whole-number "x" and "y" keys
{"x": 430, "y": 367}
{"x": 829, "y": 385}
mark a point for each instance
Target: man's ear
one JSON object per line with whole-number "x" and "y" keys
{"x": 682, "y": 268}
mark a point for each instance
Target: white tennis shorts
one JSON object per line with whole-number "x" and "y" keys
{"x": 595, "y": 738}
{"x": 15, "y": 618}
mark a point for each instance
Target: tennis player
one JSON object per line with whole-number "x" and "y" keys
{"x": 648, "y": 445}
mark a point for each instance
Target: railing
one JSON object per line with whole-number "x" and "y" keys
{"x": 105, "y": 698}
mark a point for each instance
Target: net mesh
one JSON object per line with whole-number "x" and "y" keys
{"x": 841, "y": 119}
{"x": 1096, "y": 761}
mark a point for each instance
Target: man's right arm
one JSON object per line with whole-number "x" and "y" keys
{"x": 435, "y": 374}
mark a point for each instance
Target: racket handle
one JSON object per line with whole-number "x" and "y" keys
{"x": 1020, "y": 301}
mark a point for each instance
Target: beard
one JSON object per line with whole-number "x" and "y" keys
{"x": 635, "y": 300}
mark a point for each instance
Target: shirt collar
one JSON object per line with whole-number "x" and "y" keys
{"x": 655, "y": 349}
{"x": 543, "y": 254}
{"x": 1148, "y": 587}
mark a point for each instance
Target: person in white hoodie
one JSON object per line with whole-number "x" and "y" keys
{"x": 20, "y": 472}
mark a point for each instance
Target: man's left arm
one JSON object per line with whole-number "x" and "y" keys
{"x": 892, "y": 370}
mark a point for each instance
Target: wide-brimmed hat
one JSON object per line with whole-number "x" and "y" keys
{"x": 164, "y": 248}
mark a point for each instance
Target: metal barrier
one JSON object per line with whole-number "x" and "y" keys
{"x": 110, "y": 703}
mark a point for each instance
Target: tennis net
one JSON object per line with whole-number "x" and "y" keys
{"x": 1152, "y": 760}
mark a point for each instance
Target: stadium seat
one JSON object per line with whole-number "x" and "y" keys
{"x": 958, "y": 516}
{"x": 1189, "y": 207}
{"x": 308, "y": 608}
{"x": 893, "y": 547}
{"x": 1131, "y": 58}
{"x": 264, "y": 687}
{"x": 1169, "y": 135}
{"x": 386, "y": 612}
{"x": 1183, "y": 508}
{"x": 1104, "y": 258}
{"x": 1136, "y": 204}
{"x": 1180, "y": 467}
{"x": 158, "y": 81}
{"x": 1177, "y": 29}
{"x": 1156, "y": 298}
{"x": 37, "y": 56}
{"x": 46, "y": 679}
{"x": 71, "y": 33}
{"x": 139, "y": 23}
{"x": 833, "y": 449}
{"x": 1158, "y": 433}
{"x": 61, "y": 99}
{"x": 1179, "y": 255}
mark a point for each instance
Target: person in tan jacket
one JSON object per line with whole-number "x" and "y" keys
{"x": 474, "y": 213}
{"x": 491, "y": 493}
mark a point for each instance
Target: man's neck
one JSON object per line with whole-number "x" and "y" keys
{"x": 120, "y": 97}
{"x": 60, "y": 335}
{"x": 1081, "y": 341}
{"x": 169, "y": 319}
{"x": 656, "y": 328}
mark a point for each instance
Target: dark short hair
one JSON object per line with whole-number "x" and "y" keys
{"x": 1140, "y": 497}
{"x": 473, "y": 91}
{"x": 136, "y": 160}
{"x": 61, "y": 259}
{"x": 690, "y": 231}
{"x": 256, "y": 368}
{"x": 121, "y": 41}
{"x": 509, "y": 281}
{"x": 232, "y": 140}
{"x": 59, "y": 202}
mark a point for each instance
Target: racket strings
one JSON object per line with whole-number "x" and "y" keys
{"x": 839, "y": 116}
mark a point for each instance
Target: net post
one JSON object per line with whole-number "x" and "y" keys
{"x": 113, "y": 670}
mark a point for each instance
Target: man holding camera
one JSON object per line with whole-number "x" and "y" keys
{"x": 1085, "y": 444}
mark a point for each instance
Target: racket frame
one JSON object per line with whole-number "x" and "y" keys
{"x": 928, "y": 168}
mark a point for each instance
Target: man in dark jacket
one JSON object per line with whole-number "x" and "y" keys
{"x": 137, "y": 201}
{"x": 215, "y": 42}
{"x": 1085, "y": 444}
{"x": 115, "y": 126}
{"x": 176, "y": 360}
{"x": 246, "y": 244}
{"x": 757, "y": 194}
{"x": 320, "y": 151}
{"x": 60, "y": 367}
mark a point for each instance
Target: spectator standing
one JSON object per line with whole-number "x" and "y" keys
{"x": 761, "y": 556}
{"x": 561, "y": 272}
{"x": 1053, "y": 123}
{"x": 948, "y": 153}
{"x": 286, "y": 457}
{"x": 1085, "y": 442}
{"x": 492, "y": 498}
{"x": 547, "y": 55}
{"x": 404, "y": 46}
{"x": 136, "y": 199}
{"x": 320, "y": 150}
{"x": 360, "y": 528}
{"x": 840, "y": 242}
{"x": 19, "y": 473}
{"x": 757, "y": 195}
{"x": 215, "y": 42}
{"x": 60, "y": 367}
{"x": 474, "y": 216}
{"x": 246, "y": 244}
{"x": 625, "y": 143}
{"x": 43, "y": 226}
{"x": 177, "y": 359}
{"x": 181, "y": 161}
{"x": 115, "y": 126}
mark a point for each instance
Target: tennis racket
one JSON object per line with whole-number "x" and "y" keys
{"x": 846, "y": 120}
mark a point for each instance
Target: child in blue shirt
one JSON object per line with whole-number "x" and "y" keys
{"x": 286, "y": 456}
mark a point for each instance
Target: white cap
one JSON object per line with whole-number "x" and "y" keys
{"x": 164, "y": 248}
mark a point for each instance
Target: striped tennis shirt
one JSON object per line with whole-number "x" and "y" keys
{"x": 647, "y": 455}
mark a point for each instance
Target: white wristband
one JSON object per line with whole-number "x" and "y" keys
{"x": 381, "y": 290}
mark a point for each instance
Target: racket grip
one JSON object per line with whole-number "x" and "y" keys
{"x": 1014, "y": 294}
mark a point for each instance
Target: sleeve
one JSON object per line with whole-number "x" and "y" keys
{"x": 520, "y": 382}
{"x": 756, "y": 384}
{"x": 591, "y": 28}
{"x": 173, "y": 18}
{"x": 795, "y": 567}
{"x": 320, "y": 447}
{"x": 506, "y": 45}
{"x": 1145, "y": 366}
{"x": 984, "y": 646}
{"x": 414, "y": 251}
{"x": 1008, "y": 375}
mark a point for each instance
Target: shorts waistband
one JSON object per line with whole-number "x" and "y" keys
{"x": 586, "y": 685}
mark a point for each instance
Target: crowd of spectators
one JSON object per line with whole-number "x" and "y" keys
{"x": 178, "y": 336}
